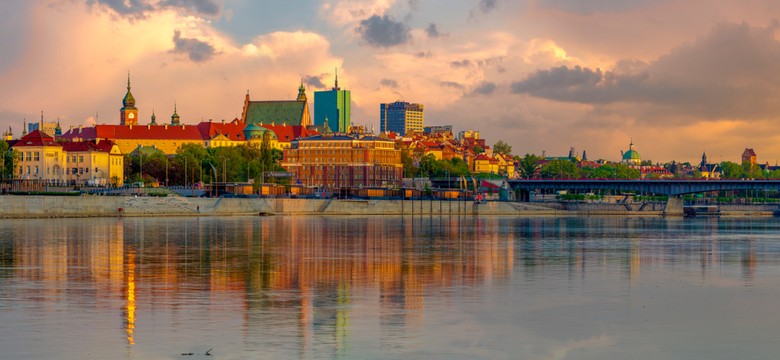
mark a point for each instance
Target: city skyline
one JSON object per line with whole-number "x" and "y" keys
{"x": 678, "y": 77}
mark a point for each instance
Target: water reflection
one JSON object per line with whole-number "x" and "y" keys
{"x": 348, "y": 287}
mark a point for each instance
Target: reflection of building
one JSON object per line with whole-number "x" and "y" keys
{"x": 334, "y": 107}
{"x": 401, "y": 117}
{"x": 336, "y": 161}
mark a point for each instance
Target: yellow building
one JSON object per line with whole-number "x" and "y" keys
{"x": 83, "y": 163}
{"x": 92, "y": 164}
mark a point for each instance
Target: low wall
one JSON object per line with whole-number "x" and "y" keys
{"x": 32, "y": 206}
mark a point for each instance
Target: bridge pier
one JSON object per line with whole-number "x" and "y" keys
{"x": 674, "y": 206}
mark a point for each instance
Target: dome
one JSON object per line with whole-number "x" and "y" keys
{"x": 631, "y": 156}
{"x": 254, "y": 131}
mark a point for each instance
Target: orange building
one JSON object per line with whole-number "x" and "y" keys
{"x": 336, "y": 161}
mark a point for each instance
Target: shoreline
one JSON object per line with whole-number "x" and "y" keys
{"x": 40, "y": 206}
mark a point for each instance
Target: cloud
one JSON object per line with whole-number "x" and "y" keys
{"x": 142, "y": 8}
{"x": 460, "y": 63}
{"x": 383, "y": 31}
{"x": 432, "y": 31}
{"x": 486, "y": 88}
{"x": 314, "y": 81}
{"x": 451, "y": 84}
{"x": 196, "y": 50}
{"x": 732, "y": 72}
{"x": 389, "y": 83}
{"x": 424, "y": 55}
{"x": 595, "y": 6}
{"x": 204, "y": 7}
{"x": 487, "y": 6}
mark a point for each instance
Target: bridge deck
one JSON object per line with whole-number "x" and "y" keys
{"x": 658, "y": 187}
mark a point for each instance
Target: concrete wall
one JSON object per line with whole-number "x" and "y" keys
{"x": 30, "y": 206}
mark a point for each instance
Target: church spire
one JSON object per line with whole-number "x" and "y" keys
{"x": 154, "y": 118}
{"x": 24, "y": 127}
{"x": 301, "y": 92}
{"x": 129, "y": 101}
{"x": 175, "y": 117}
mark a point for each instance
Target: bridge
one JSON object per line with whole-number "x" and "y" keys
{"x": 657, "y": 187}
{"x": 674, "y": 189}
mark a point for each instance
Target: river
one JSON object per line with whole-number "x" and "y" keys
{"x": 440, "y": 287}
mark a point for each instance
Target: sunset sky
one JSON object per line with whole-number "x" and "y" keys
{"x": 677, "y": 76}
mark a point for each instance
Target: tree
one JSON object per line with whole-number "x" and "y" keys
{"x": 560, "y": 169}
{"x": 408, "y": 163}
{"x": 500, "y": 147}
{"x": 528, "y": 165}
{"x": 478, "y": 150}
{"x": 730, "y": 170}
{"x": 9, "y": 160}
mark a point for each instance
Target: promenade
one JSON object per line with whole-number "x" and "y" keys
{"x": 36, "y": 206}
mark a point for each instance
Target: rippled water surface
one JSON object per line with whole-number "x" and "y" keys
{"x": 389, "y": 288}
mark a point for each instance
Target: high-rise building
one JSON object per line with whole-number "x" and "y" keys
{"x": 401, "y": 117}
{"x": 333, "y": 106}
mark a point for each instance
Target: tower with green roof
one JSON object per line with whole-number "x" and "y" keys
{"x": 631, "y": 157}
{"x": 128, "y": 114}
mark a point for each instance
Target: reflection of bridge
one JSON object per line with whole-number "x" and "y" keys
{"x": 657, "y": 187}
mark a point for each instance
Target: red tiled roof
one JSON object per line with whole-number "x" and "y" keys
{"x": 160, "y": 132}
{"x": 103, "y": 146}
{"x": 287, "y": 133}
{"x": 36, "y": 138}
{"x": 80, "y": 133}
{"x": 233, "y": 130}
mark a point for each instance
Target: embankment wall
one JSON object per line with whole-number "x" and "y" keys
{"x": 35, "y": 206}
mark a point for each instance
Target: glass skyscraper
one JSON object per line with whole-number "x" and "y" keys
{"x": 334, "y": 106}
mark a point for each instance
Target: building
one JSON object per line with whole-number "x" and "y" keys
{"x": 217, "y": 134}
{"x": 631, "y": 157}
{"x": 334, "y": 107}
{"x": 707, "y": 170}
{"x": 337, "y": 161}
{"x": 438, "y": 129}
{"x": 401, "y": 117}
{"x": 93, "y": 164}
{"x": 749, "y": 157}
{"x": 128, "y": 114}
{"x": 166, "y": 138}
{"x": 284, "y": 112}
{"x": 88, "y": 162}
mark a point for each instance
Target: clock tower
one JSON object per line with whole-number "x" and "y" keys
{"x": 128, "y": 114}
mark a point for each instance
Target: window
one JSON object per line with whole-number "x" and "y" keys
{"x": 81, "y": 158}
{"x": 81, "y": 171}
{"x": 29, "y": 157}
{"x": 96, "y": 169}
{"x": 37, "y": 156}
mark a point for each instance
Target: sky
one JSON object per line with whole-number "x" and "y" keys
{"x": 676, "y": 77}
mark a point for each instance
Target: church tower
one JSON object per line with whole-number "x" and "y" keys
{"x": 301, "y": 92}
{"x": 175, "y": 117}
{"x": 128, "y": 114}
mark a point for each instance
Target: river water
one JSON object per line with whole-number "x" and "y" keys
{"x": 389, "y": 288}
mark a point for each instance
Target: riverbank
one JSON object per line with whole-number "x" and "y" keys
{"x": 34, "y": 206}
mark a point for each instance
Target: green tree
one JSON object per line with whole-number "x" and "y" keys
{"x": 500, "y": 147}
{"x": 560, "y": 169}
{"x": 731, "y": 170}
{"x": 407, "y": 160}
{"x": 9, "y": 160}
{"x": 528, "y": 165}
{"x": 478, "y": 150}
